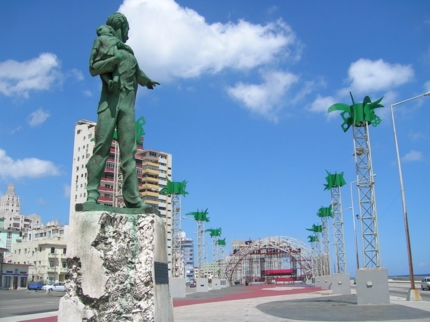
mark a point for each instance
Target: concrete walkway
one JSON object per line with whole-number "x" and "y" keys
{"x": 275, "y": 303}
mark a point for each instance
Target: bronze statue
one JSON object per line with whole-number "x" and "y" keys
{"x": 118, "y": 68}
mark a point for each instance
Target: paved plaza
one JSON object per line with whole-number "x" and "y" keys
{"x": 275, "y": 303}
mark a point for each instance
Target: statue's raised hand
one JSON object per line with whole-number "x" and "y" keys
{"x": 151, "y": 84}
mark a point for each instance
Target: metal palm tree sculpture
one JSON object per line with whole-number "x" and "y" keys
{"x": 359, "y": 116}
{"x": 200, "y": 217}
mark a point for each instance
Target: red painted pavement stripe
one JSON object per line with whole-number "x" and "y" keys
{"x": 252, "y": 292}
{"x": 48, "y": 319}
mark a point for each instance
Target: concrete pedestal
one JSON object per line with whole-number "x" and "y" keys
{"x": 202, "y": 285}
{"x": 117, "y": 269}
{"x": 341, "y": 284}
{"x": 413, "y": 295}
{"x": 177, "y": 287}
{"x": 325, "y": 281}
{"x": 216, "y": 284}
{"x": 372, "y": 286}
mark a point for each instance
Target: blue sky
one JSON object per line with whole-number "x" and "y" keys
{"x": 245, "y": 86}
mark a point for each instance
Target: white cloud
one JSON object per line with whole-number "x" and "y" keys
{"x": 87, "y": 93}
{"x": 321, "y": 104}
{"x": 417, "y": 136}
{"x": 412, "y": 156}
{"x": 369, "y": 76}
{"x": 266, "y": 98}
{"x": 38, "y": 117}
{"x": 66, "y": 189}
{"x": 15, "y": 130}
{"x": 38, "y": 74}
{"x": 25, "y": 168}
{"x": 171, "y": 41}
{"x": 76, "y": 74}
{"x": 272, "y": 9}
{"x": 41, "y": 201}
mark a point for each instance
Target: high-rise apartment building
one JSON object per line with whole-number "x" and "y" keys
{"x": 153, "y": 170}
{"x": 10, "y": 212}
{"x": 187, "y": 250}
{"x": 10, "y": 201}
{"x": 82, "y": 150}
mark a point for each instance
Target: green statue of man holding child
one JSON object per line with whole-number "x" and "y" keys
{"x": 119, "y": 71}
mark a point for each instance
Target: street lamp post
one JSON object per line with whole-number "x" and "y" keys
{"x": 413, "y": 293}
{"x": 353, "y": 222}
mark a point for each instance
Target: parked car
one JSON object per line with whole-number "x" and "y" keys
{"x": 56, "y": 287}
{"x": 192, "y": 284}
{"x": 425, "y": 283}
{"x": 35, "y": 286}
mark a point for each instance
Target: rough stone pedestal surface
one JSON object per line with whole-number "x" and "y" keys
{"x": 117, "y": 269}
{"x": 372, "y": 286}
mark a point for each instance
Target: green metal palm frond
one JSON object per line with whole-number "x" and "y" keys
{"x": 358, "y": 114}
{"x": 221, "y": 242}
{"x": 139, "y": 129}
{"x": 325, "y": 212}
{"x": 312, "y": 239}
{"x": 176, "y": 188}
{"x": 214, "y": 232}
{"x": 316, "y": 228}
{"x": 199, "y": 215}
{"x": 334, "y": 180}
{"x": 140, "y": 122}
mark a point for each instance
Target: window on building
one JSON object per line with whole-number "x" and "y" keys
{"x": 64, "y": 250}
{"x": 52, "y": 250}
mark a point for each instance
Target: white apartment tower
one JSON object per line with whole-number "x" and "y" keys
{"x": 153, "y": 169}
{"x": 10, "y": 210}
{"x": 82, "y": 150}
{"x": 9, "y": 202}
{"x": 156, "y": 169}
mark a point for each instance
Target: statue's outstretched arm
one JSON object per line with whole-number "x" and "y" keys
{"x": 144, "y": 80}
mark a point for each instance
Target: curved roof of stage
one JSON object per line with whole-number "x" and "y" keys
{"x": 295, "y": 248}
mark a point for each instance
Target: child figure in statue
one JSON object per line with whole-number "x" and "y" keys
{"x": 105, "y": 52}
